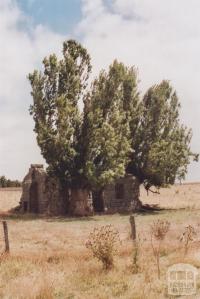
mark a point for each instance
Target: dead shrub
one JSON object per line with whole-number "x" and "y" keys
{"x": 103, "y": 243}
{"x": 135, "y": 255}
{"x": 4, "y": 256}
{"x": 45, "y": 292}
{"x": 187, "y": 237}
{"x": 159, "y": 229}
{"x": 54, "y": 259}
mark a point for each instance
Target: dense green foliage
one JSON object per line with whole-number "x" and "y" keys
{"x": 5, "y": 183}
{"x": 106, "y": 123}
{"x": 160, "y": 143}
{"x": 83, "y": 149}
{"x": 118, "y": 131}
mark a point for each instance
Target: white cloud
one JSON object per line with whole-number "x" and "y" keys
{"x": 161, "y": 38}
{"x": 21, "y": 50}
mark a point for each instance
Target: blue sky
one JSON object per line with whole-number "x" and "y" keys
{"x": 59, "y": 15}
{"x": 160, "y": 38}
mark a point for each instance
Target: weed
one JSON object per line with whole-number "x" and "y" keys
{"x": 103, "y": 244}
{"x": 159, "y": 229}
{"x": 187, "y": 237}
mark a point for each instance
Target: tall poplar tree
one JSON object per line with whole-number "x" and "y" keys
{"x": 82, "y": 149}
{"x": 160, "y": 144}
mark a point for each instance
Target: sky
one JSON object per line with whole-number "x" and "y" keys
{"x": 60, "y": 16}
{"x": 160, "y": 38}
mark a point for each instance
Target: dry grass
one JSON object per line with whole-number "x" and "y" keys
{"x": 49, "y": 259}
{"x": 9, "y": 198}
{"x": 175, "y": 197}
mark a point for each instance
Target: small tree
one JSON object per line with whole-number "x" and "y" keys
{"x": 6, "y": 183}
{"x": 84, "y": 149}
{"x": 3, "y": 182}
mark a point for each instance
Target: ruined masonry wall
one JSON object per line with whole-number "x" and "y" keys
{"x": 42, "y": 194}
{"x": 130, "y": 199}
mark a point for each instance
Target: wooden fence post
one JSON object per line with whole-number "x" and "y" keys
{"x": 133, "y": 227}
{"x": 5, "y": 230}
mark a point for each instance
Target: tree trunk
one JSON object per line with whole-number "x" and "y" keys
{"x": 80, "y": 202}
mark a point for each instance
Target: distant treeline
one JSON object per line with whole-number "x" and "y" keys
{"x": 5, "y": 183}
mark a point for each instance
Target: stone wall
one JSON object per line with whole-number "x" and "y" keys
{"x": 123, "y": 195}
{"x": 42, "y": 194}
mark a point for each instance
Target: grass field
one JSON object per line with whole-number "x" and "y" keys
{"x": 9, "y": 198}
{"x": 49, "y": 259}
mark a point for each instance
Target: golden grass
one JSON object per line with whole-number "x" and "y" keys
{"x": 49, "y": 259}
{"x": 175, "y": 197}
{"x": 9, "y": 198}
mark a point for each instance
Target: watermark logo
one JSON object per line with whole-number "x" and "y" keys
{"x": 181, "y": 280}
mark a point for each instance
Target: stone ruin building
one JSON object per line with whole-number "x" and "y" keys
{"x": 121, "y": 196}
{"x": 40, "y": 194}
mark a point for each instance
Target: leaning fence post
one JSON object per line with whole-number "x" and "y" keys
{"x": 133, "y": 228}
{"x": 5, "y": 230}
